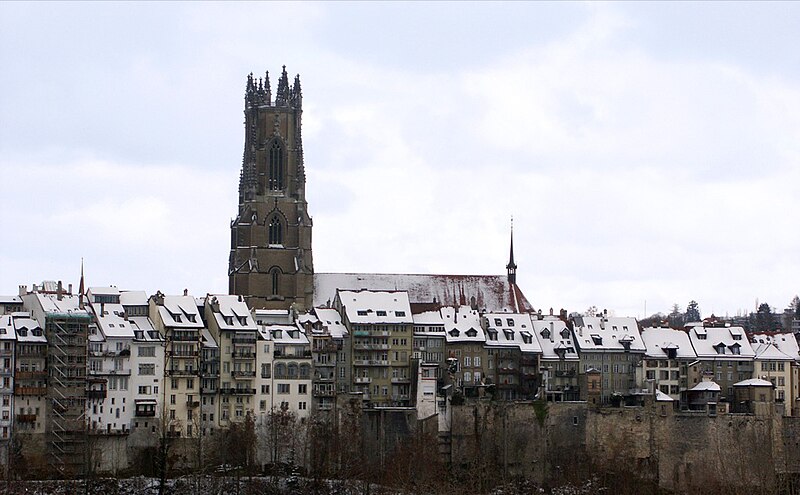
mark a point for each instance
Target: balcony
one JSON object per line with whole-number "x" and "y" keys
{"x": 145, "y": 413}
{"x": 328, "y": 364}
{"x": 30, "y": 390}
{"x": 184, "y": 354}
{"x": 371, "y": 347}
{"x": 400, "y": 398}
{"x": 362, "y": 379}
{"x": 324, "y": 379}
{"x": 370, "y": 362}
{"x": 243, "y": 374}
{"x": 243, "y": 355}
{"x": 291, "y": 355}
{"x": 101, "y": 353}
{"x": 192, "y": 404}
{"x": 245, "y": 340}
{"x": 26, "y": 418}
{"x": 30, "y": 375}
{"x": 184, "y": 337}
{"x": 96, "y": 394}
{"x": 238, "y": 391}
{"x": 565, "y": 373}
{"x": 324, "y": 393}
{"x": 40, "y": 353}
{"x": 401, "y": 379}
{"x": 182, "y": 372}
{"x": 325, "y": 407}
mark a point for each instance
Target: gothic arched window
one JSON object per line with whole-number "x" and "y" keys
{"x": 275, "y": 179}
{"x": 275, "y": 276}
{"x": 275, "y": 233}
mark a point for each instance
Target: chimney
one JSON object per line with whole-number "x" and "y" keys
{"x": 552, "y": 329}
{"x": 102, "y": 308}
{"x": 23, "y": 290}
{"x": 60, "y": 291}
{"x": 69, "y": 289}
{"x": 185, "y": 292}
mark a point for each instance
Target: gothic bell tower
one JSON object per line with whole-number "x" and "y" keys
{"x": 270, "y": 261}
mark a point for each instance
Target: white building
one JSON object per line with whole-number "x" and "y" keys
{"x": 668, "y": 356}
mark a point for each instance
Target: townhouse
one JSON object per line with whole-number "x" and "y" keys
{"x": 559, "y": 360}
{"x": 724, "y": 353}
{"x": 466, "y": 349}
{"x": 514, "y": 353}
{"x": 666, "y": 362}
{"x": 381, "y": 328}
{"x": 613, "y": 347}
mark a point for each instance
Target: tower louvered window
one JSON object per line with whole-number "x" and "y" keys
{"x": 275, "y": 181}
{"x": 275, "y": 232}
{"x": 275, "y": 275}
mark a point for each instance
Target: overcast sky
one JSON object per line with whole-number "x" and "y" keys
{"x": 649, "y": 153}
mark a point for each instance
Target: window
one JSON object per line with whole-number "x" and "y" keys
{"x": 147, "y": 369}
{"x": 148, "y": 351}
{"x": 302, "y": 388}
{"x": 467, "y": 362}
{"x": 275, "y": 181}
{"x": 265, "y": 389}
{"x": 399, "y": 313}
{"x": 283, "y": 388}
{"x": 266, "y": 370}
{"x": 275, "y": 230}
{"x": 275, "y": 278}
{"x": 362, "y": 313}
{"x": 380, "y": 313}
{"x": 477, "y": 361}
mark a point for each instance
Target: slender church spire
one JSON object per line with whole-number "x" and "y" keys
{"x": 81, "y": 287}
{"x": 511, "y": 266}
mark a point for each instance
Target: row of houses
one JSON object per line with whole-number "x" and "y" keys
{"x": 113, "y": 361}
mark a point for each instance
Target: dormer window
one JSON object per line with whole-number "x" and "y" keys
{"x": 177, "y": 318}
{"x": 526, "y": 337}
{"x": 277, "y": 334}
{"x": 22, "y": 332}
{"x": 380, "y": 313}
{"x": 229, "y": 320}
{"x": 498, "y": 322}
{"x": 735, "y": 348}
{"x": 565, "y": 334}
{"x": 191, "y": 318}
{"x": 508, "y": 333}
{"x": 472, "y": 332}
{"x": 545, "y": 333}
{"x": 510, "y": 322}
{"x": 590, "y": 327}
{"x": 596, "y": 339}
{"x": 737, "y": 336}
{"x": 362, "y": 313}
{"x": 242, "y": 320}
{"x": 492, "y": 334}
{"x": 399, "y": 313}
{"x": 720, "y": 348}
{"x": 37, "y": 332}
{"x": 454, "y": 332}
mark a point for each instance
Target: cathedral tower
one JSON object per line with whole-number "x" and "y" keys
{"x": 270, "y": 261}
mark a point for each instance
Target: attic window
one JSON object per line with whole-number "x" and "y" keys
{"x": 509, "y": 334}
{"x": 735, "y": 348}
{"x": 380, "y": 313}
{"x": 23, "y": 332}
{"x": 720, "y": 348}
{"x": 526, "y": 337}
{"x": 277, "y": 334}
{"x": 229, "y": 320}
{"x": 362, "y": 313}
{"x": 737, "y": 336}
{"x": 399, "y": 313}
{"x": 590, "y": 327}
{"x": 614, "y": 327}
{"x": 545, "y": 333}
{"x": 243, "y": 320}
{"x": 454, "y": 332}
{"x": 472, "y": 332}
{"x": 492, "y": 334}
{"x": 2, "y": 331}
{"x": 598, "y": 340}
{"x": 701, "y": 336}
{"x": 498, "y": 322}
{"x": 565, "y": 334}
{"x": 191, "y": 318}
{"x": 177, "y": 318}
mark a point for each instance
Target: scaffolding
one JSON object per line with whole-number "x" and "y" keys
{"x": 66, "y": 432}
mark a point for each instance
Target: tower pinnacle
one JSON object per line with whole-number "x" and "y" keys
{"x": 511, "y": 266}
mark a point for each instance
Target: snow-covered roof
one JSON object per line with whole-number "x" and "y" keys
{"x": 753, "y": 382}
{"x": 428, "y": 318}
{"x": 285, "y": 334}
{"x": 231, "y": 313}
{"x": 366, "y": 306}
{"x": 180, "y": 312}
{"x": 102, "y": 291}
{"x": 599, "y": 334}
{"x": 491, "y": 292}
{"x": 512, "y": 330}
{"x": 111, "y": 320}
{"x": 7, "y": 331}
{"x": 50, "y": 303}
{"x": 721, "y": 343}
{"x": 207, "y": 339}
{"x": 27, "y": 329}
{"x": 786, "y": 343}
{"x": 660, "y": 340}
{"x": 706, "y": 386}
{"x": 10, "y": 300}
{"x": 462, "y": 324}
{"x": 555, "y": 339}
{"x": 332, "y": 321}
{"x": 662, "y": 397}
{"x": 272, "y": 316}
{"x": 133, "y": 298}
{"x": 145, "y": 325}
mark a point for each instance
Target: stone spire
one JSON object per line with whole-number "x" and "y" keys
{"x": 282, "y": 95}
